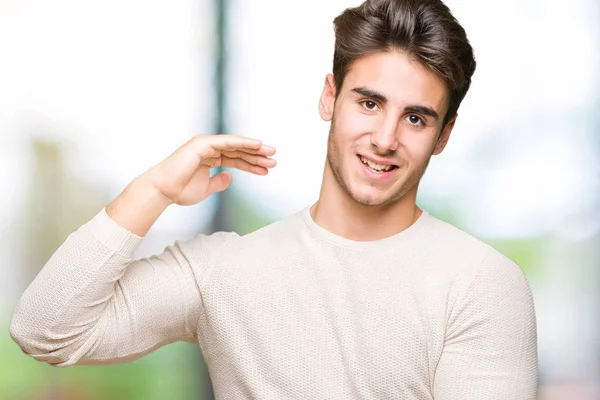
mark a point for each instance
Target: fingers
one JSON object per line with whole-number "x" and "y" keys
{"x": 233, "y": 151}
{"x": 243, "y": 165}
{"x": 219, "y": 182}
{"x": 224, "y": 142}
{"x": 255, "y": 159}
{"x": 263, "y": 150}
{"x": 232, "y": 143}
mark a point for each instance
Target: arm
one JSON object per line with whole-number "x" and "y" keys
{"x": 93, "y": 304}
{"x": 490, "y": 350}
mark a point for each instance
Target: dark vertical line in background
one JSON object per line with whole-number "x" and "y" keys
{"x": 220, "y": 221}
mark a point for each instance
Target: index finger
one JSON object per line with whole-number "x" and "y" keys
{"x": 234, "y": 142}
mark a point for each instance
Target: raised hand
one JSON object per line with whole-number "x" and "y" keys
{"x": 184, "y": 177}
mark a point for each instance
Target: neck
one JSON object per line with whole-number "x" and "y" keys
{"x": 338, "y": 213}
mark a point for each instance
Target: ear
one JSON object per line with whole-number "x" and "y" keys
{"x": 327, "y": 100}
{"x": 444, "y": 136}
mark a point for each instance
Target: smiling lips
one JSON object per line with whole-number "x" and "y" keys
{"x": 376, "y": 167}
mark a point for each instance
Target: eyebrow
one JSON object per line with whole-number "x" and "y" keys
{"x": 370, "y": 93}
{"x": 419, "y": 109}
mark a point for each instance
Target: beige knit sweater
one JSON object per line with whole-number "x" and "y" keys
{"x": 292, "y": 311}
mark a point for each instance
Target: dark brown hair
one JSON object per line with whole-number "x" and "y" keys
{"x": 424, "y": 29}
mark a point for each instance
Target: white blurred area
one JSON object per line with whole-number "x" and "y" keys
{"x": 106, "y": 89}
{"x": 117, "y": 86}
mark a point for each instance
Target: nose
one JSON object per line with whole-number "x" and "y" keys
{"x": 385, "y": 137}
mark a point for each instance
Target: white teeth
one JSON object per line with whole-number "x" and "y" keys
{"x": 376, "y": 167}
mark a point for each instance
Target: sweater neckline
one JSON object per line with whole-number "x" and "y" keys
{"x": 406, "y": 235}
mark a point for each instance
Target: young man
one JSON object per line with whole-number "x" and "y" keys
{"x": 360, "y": 296}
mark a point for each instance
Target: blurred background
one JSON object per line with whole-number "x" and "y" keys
{"x": 93, "y": 93}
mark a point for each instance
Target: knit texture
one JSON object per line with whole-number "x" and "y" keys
{"x": 292, "y": 311}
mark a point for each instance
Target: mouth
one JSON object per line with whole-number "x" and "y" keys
{"x": 375, "y": 167}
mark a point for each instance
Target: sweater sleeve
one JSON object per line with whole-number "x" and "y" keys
{"x": 490, "y": 349}
{"x": 93, "y": 304}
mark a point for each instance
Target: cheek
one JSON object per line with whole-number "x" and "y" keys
{"x": 418, "y": 147}
{"x": 351, "y": 125}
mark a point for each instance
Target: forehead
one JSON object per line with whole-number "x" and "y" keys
{"x": 401, "y": 79}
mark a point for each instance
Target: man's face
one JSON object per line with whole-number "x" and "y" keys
{"x": 385, "y": 125}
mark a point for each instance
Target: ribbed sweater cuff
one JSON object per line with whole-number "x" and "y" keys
{"x": 113, "y": 235}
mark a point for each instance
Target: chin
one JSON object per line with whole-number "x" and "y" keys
{"x": 365, "y": 192}
{"x": 372, "y": 197}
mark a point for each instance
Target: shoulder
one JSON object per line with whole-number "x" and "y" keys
{"x": 277, "y": 234}
{"x": 451, "y": 237}
{"x": 482, "y": 276}
{"x": 202, "y": 249}
{"x": 466, "y": 253}
{"x": 471, "y": 264}
{"x": 221, "y": 243}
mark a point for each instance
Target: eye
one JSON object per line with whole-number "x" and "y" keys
{"x": 415, "y": 120}
{"x": 370, "y": 105}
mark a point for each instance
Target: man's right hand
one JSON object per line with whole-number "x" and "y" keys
{"x": 184, "y": 178}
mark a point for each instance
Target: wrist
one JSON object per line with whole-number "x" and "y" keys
{"x": 145, "y": 184}
{"x": 138, "y": 206}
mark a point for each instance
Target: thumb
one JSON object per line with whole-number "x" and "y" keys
{"x": 219, "y": 182}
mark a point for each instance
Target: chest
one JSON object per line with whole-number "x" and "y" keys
{"x": 357, "y": 328}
